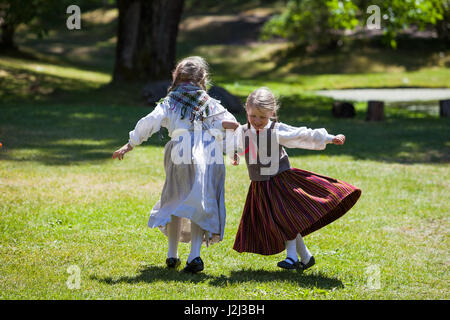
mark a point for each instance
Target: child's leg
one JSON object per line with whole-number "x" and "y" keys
{"x": 291, "y": 261}
{"x": 196, "y": 241}
{"x": 173, "y": 235}
{"x": 302, "y": 250}
{"x": 290, "y": 250}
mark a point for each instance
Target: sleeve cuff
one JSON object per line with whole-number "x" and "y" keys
{"x": 131, "y": 143}
{"x": 329, "y": 138}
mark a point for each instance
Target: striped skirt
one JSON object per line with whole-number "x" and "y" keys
{"x": 294, "y": 201}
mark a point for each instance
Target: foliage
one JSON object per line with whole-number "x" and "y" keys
{"x": 321, "y": 22}
{"x": 308, "y": 21}
{"x": 14, "y": 13}
{"x": 41, "y": 15}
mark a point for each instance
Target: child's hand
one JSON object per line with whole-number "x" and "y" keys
{"x": 339, "y": 139}
{"x": 236, "y": 159}
{"x": 121, "y": 152}
{"x": 230, "y": 125}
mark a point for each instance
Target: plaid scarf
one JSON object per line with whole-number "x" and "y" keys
{"x": 192, "y": 100}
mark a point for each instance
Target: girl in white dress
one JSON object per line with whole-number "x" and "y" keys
{"x": 192, "y": 204}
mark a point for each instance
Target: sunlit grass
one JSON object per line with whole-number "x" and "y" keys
{"x": 55, "y": 70}
{"x": 64, "y": 201}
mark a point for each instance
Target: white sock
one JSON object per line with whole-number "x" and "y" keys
{"x": 290, "y": 251}
{"x": 173, "y": 236}
{"x": 302, "y": 250}
{"x": 196, "y": 241}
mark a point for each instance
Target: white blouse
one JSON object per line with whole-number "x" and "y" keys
{"x": 165, "y": 115}
{"x": 302, "y": 137}
{"x": 287, "y": 136}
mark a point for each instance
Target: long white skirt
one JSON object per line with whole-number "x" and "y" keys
{"x": 194, "y": 192}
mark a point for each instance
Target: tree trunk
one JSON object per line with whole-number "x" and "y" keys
{"x": 128, "y": 23}
{"x": 375, "y": 111}
{"x": 7, "y": 37}
{"x": 444, "y": 108}
{"x": 442, "y": 28}
{"x": 146, "y": 39}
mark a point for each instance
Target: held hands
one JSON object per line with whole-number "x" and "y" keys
{"x": 227, "y": 125}
{"x": 120, "y": 153}
{"x": 339, "y": 139}
{"x": 236, "y": 159}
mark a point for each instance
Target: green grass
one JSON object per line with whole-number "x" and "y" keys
{"x": 65, "y": 202}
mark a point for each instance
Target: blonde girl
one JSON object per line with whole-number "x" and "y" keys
{"x": 284, "y": 204}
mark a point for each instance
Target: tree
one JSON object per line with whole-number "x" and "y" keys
{"x": 312, "y": 22}
{"x": 146, "y": 39}
{"x": 38, "y": 14}
{"x": 307, "y": 22}
{"x": 13, "y": 13}
{"x": 399, "y": 15}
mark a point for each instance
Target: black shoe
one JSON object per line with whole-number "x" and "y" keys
{"x": 310, "y": 263}
{"x": 286, "y": 265}
{"x": 173, "y": 262}
{"x": 196, "y": 265}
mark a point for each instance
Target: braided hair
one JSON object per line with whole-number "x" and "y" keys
{"x": 191, "y": 69}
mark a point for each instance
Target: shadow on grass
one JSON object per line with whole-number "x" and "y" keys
{"x": 76, "y": 123}
{"x": 60, "y": 121}
{"x": 66, "y": 134}
{"x": 151, "y": 274}
{"x": 157, "y": 273}
{"x": 404, "y": 136}
{"x": 302, "y": 279}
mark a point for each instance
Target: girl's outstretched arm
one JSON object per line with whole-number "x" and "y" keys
{"x": 227, "y": 124}
{"x": 303, "y": 137}
{"x": 120, "y": 153}
{"x": 149, "y": 124}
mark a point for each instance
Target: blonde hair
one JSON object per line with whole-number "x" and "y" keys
{"x": 264, "y": 99}
{"x": 191, "y": 69}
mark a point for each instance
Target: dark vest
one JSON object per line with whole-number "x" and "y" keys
{"x": 256, "y": 165}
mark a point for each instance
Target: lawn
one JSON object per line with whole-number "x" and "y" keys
{"x": 64, "y": 203}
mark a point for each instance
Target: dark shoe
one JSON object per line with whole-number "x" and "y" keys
{"x": 286, "y": 265}
{"x": 196, "y": 265}
{"x": 173, "y": 262}
{"x": 310, "y": 263}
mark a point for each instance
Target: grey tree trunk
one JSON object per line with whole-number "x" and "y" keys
{"x": 146, "y": 39}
